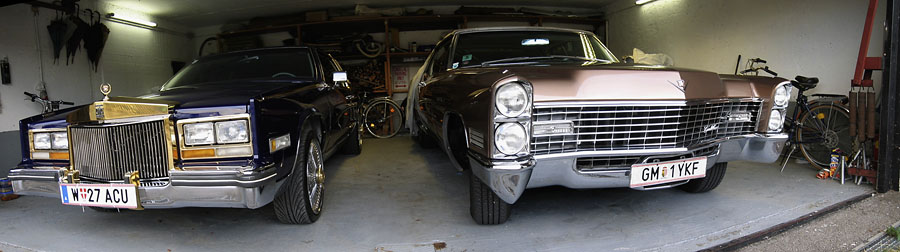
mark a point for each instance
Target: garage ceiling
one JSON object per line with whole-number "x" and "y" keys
{"x": 198, "y": 13}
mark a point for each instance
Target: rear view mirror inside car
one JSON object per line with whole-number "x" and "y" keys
{"x": 535, "y": 41}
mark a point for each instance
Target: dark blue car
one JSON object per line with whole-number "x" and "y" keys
{"x": 239, "y": 129}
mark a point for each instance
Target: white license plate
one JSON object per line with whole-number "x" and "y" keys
{"x": 99, "y": 195}
{"x": 665, "y": 172}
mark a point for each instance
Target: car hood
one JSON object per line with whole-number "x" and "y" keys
{"x": 621, "y": 82}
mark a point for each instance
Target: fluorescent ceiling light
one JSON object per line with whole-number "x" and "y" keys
{"x": 130, "y": 20}
{"x": 639, "y": 2}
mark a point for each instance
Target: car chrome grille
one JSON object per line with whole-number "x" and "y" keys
{"x": 641, "y": 127}
{"x": 107, "y": 152}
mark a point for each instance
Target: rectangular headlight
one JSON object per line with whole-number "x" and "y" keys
{"x": 232, "y": 132}
{"x": 42, "y": 141}
{"x": 199, "y": 133}
{"x": 59, "y": 140}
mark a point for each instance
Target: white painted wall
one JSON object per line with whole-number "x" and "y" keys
{"x": 133, "y": 61}
{"x": 799, "y": 37}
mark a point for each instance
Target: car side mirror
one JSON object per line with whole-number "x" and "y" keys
{"x": 339, "y": 77}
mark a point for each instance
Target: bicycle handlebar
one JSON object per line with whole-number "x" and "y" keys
{"x": 769, "y": 71}
{"x": 36, "y": 97}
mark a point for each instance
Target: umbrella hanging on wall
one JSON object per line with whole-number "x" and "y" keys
{"x": 57, "y": 28}
{"x": 95, "y": 39}
{"x": 77, "y": 36}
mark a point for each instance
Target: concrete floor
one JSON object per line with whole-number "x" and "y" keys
{"x": 397, "y": 197}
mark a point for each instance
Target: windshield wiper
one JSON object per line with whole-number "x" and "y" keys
{"x": 515, "y": 59}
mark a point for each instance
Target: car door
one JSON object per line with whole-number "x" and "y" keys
{"x": 432, "y": 94}
{"x": 336, "y": 98}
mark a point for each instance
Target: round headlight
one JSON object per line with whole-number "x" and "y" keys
{"x": 511, "y": 99}
{"x": 782, "y": 95}
{"x": 510, "y": 138}
{"x": 775, "y": 120}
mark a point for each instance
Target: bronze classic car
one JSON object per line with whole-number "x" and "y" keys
{"x": 527, "y": 107}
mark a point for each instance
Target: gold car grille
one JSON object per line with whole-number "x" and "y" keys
{"x": 642, "y": 127}
{"x": 107, "y": 152}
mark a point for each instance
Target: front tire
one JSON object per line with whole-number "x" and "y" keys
{"x": 713, "y": 177}
{"x": 301, "y": 200}
{"x": 485, "y": 206}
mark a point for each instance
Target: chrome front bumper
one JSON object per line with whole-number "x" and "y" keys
{"x": 232, "y": 189}
{"x": 510, "y": 179}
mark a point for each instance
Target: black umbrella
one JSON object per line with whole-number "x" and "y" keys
{"x": 57, "y": 28}
{"x": 95, "y": 40}
{"x": 75, "y": 39}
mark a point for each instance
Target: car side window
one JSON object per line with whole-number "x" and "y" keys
{"x": 328, "y": 66}
{"x": 441, "y": 56}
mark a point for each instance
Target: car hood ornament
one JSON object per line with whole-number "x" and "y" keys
{"x": 105, "y": 88}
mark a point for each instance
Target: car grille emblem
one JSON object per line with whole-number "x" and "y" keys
{"x": 98, "y": 110}
{"x": 680, "y": 84}
{"x": 711, "y": 127}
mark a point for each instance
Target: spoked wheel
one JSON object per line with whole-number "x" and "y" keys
{"x": 315, "y": 174}
{"x": 301, "y": 200}
{"x": 823, "y": 129}
{"x": 383, "y": 118}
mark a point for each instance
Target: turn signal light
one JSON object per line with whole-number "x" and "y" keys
{"x": 201, "y": 153}
{"x": 59, "y": 155}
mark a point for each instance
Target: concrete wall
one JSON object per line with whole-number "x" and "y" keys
{"x": 133, "y": 61}
{"x": 799, "y": 37}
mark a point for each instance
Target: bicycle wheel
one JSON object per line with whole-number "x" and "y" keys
{"x": 823, "y": 129}
{"x": 349, "y": 115}
{"x": 383, "y": 118}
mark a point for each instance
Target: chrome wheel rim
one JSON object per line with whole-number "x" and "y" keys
{"x": 315, "y": 177}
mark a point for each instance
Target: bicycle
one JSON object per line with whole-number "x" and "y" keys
{"x": 46, "y": 104}
{"x": 381, "y": 116}
{"x": 816, "y": 127}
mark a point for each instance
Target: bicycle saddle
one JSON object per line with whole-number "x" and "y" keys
{"x": 805, "y": 83}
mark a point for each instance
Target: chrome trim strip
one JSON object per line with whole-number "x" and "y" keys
{"x": 229, "y": 180}
{"x": 554, "y": 104}
{"x": 646, "y": 151}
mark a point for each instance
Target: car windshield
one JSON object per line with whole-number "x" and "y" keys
{"x": 485, "y": 48}
{"x": 286, "y": 64}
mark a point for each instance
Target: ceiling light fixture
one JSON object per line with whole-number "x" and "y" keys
{"x": 130, "y": 21}
{"x": 639, "y": 2}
